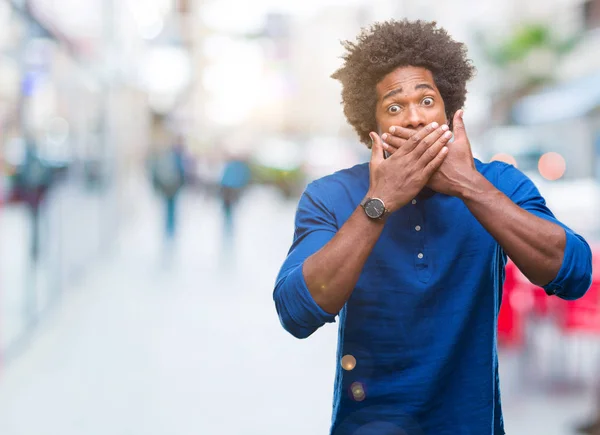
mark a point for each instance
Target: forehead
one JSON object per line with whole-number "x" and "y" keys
{"x": 405, "y": 77}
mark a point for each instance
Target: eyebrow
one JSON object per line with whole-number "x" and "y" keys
{"x": 398, "y": 90}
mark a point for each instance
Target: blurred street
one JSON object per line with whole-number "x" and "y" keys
{"x": 193, "y": 345}
{"x": 67, "y": 240}
{"x": 152, "y": 155}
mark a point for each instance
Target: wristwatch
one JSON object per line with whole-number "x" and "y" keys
{"x": 374, "y": 208}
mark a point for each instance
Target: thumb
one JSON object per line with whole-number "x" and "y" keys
{"x": 460, "y": 133}
{"x": 376, "y": 148}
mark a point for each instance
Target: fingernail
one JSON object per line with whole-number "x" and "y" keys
{"x": 392, "y": 130}
{"x": 384, "y": 136}
{"x": 448, "y": 135}
{"x": 435, "y": 125}
{"x": 444, "y": 127}
{"x": 386, "y": 146}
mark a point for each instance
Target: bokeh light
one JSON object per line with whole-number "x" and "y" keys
{"x": 506, "y": 158}
{"x": 348, "y": 362}
{"x": 552, "y": 166}
{"x": 358, "y": 391}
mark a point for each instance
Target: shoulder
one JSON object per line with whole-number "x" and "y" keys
{"x": 350, "y": 179}
{"x": 508, "y": 179}
{"x": 337, "y": 195}
{"x": 492, "y": 170}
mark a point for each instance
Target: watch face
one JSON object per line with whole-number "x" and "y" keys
{"x": 374, "y": 208}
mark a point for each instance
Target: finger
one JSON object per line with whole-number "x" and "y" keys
{"x": 430, "y": 140}
{"x": 459, "y": 126}
{"x": 435, "y": 164}
{"x": 416, "y": 138}
{"x": 376, "y": 148}
{"x": 402, "y": 132}
{"x": 390, "y": 143}
{"x": 434, "y": 149}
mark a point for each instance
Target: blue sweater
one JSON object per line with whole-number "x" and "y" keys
{"x": 421, "y": 321}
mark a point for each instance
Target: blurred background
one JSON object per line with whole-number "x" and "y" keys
{"x": 152, "y": 155}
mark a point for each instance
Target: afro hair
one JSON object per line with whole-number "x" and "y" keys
{"x": 386, "y": 46}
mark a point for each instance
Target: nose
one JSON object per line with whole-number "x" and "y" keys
{"x": 415, "y": 118}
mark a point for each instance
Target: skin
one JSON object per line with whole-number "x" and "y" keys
{"x": 411, "y": 112}
{"x": 534, "y": 244}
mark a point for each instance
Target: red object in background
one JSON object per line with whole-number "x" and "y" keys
{"x": 517, "y": 299}
{"x": 521, "y": 299}
{"x": 583, "y": 315}
{"x": 508, "y": 333}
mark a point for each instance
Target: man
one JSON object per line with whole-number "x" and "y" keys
{"x": 168, "y": 177}
{"x": 235, "y": 178}
{"x": 409, "y": 251}
{"x": 33, "y": 180}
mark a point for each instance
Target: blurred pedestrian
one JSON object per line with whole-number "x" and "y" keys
{"x": 168, "y": 177}
{"x": 234, "y": 180}
{"x": 33, "y": 178}
{"x": 409, "y": 249}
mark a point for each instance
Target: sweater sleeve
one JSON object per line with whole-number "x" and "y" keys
{"x": 315, "y": 226}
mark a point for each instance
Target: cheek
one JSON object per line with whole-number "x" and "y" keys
{"x": 383, "y": 123}
{"x": 439, "y": 116}
{"x": 384, "y": 127}
{"x": 442, "y": 111}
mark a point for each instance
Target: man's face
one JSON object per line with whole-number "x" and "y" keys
{"x": 408, "y": 97}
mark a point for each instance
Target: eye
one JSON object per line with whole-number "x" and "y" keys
{"x": 394, "y": 108}
{"x": 428, "y": 101}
